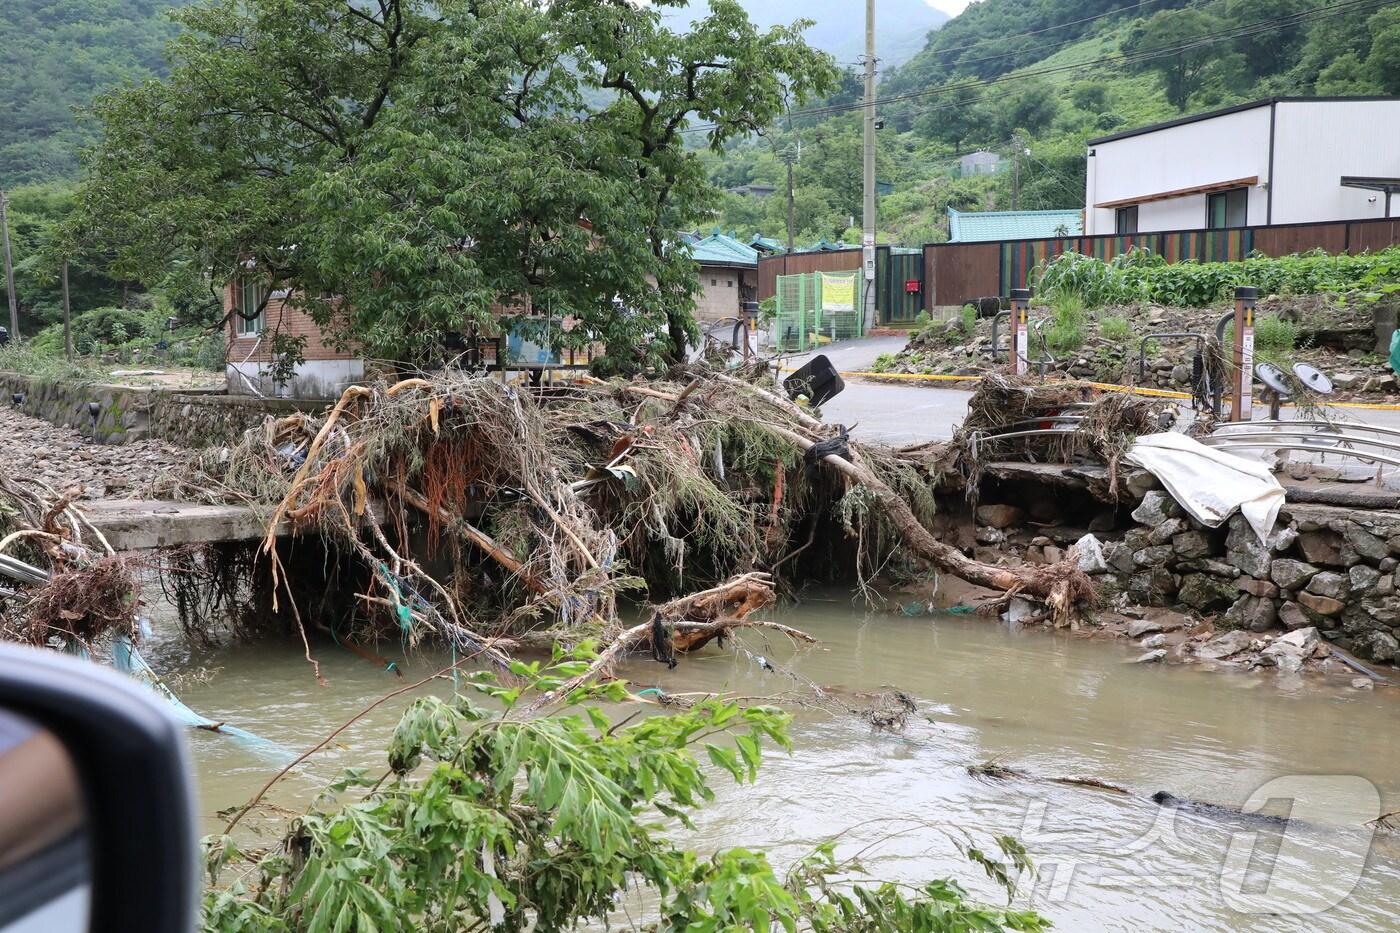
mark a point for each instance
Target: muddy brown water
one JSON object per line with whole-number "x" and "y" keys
{"x": 1043, "y": 703}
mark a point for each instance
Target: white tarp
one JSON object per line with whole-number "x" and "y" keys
{"x": 1210, "y": 484}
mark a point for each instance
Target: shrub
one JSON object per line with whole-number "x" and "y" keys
{"x": 967, "y": 317}
{"x": 1275, "y": 335}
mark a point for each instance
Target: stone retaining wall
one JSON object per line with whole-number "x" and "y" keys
{"x": 191, "y": 418}
{"x": 1326, "y": 566}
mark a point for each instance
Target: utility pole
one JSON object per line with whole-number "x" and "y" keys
{"x": 1015, "y": 172}
{"x": 67, "y": 318}
{"x": 9, "y": 269}
{"x": 792, "y": 221}
{"x": 868, "y": 211}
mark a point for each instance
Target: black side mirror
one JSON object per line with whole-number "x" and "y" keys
{"x": 97, "y": 820}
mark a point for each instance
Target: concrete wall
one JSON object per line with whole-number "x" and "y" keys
{"x": 129, "y": 413}
{"x": 1234, "y": 145}
{"x": 1317, "y": 142}
{"x": 721, "y": 291}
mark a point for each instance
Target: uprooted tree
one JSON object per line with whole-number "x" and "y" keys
{"x": 426, "y": 162}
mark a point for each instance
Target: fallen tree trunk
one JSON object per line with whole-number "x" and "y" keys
{"x": 1063, "y": 586}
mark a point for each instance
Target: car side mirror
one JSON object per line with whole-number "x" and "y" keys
{"x": 97, "y": 819}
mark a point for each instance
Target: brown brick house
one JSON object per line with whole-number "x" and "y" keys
{"x": 325, "y": 372}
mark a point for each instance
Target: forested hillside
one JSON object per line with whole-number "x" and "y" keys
{"x": 1033, "y": 80}
{"x": 56, "y": 55}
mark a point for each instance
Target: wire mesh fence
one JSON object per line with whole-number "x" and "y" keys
{"x": 816, "y": 308}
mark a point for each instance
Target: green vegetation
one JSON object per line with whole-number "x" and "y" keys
{"x": 967, "y": 318}
{"x": 940, "y": 108}
{"x": 1275, "y": 335}
{"x": 1141, "y": 276}
{"x": 421, "y": 177}
{"x": 1067, "y": 320}
{"x": 1115, "y": 327}
{"x": 511, "y": 822}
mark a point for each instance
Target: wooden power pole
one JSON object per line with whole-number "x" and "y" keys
{"x": 9, "y": 267}
{"x": 868, "y": 210}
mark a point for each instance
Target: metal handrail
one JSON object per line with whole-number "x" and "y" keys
{"x": 1316, "y": 448}
{"x": 1340, "y": 440}
{"x": 1142, "y": 346}
{"x": 1338, "y": 426}
{"x": 996, "y": 321}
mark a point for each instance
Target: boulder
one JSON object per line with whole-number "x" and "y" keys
{"x": 1156, "y": 507}
{"x": 990, "y": 536}
{"x": 1303, "y": 640}
{"x": 1291, "y": 574}
{"x": 1119, "y": 556}
{"x": 1362, "y": 683}
{"x": 1253, "y": 613}
{"x": 1321, "y": 547}
{"x": 1364, "y": 543}
{"x": 1347, "y": 381}
{"x": 1224, "y": 645}
{"x": 1162, "y": 534}
{"x": 1091, "y": 556}
{"x": 1154, "y": 641}
{"x": 1153, "y": 556}
{"x": 1244, "y": 550}
{"x": 1363, "y": 579}
{"x": 999, "y": 516}
{"x": 1253, "y": 587}
{"x": 1151, "y": 657}
{"x": 1216, "y": 568}
{"x": 1332, "y": 585}
{"x": 1139, "y": 627}
{"x": 1292, "y": 616}
{"x": 1205, "y": 593}
{"x": 1283, "y": 539}
{"x": 1192, "y": 544}
{"x": 1322, "y": 605}
{"x": 1152, "y": 587}
{"x": 1377, "y": 645}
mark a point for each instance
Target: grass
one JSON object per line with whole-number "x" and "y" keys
{"x": 1066, "y": 331}
{"x": 1115, "y": 327}
{"x": 24, "y": 359}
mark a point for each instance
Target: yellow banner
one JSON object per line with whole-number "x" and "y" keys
{"x": 838, "y": 292}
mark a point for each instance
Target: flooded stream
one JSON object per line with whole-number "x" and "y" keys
{"x": 1049, "y": 705}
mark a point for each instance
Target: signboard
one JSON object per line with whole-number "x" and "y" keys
{"x": 1020, "y": 340}
{"x": 1245, "y": 372}
{"x": 911, "y": 286}
{"x": 838, "y": 293}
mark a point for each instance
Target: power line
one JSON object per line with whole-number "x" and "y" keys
{"x": 1119, "y": 58}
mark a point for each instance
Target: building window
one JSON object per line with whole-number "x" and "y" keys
{"x": 714, "y": 281}
{"x": 728, "y": 283}
{"x": 248, "y": 312}
{"x": 1125, "y": 220}
{"x": 1227, "y": 209}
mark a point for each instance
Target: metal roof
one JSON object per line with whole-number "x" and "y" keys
{"x": 719, "y": 249}
{"x": 978, "y": 227}
{"x": 1223, "y": 111}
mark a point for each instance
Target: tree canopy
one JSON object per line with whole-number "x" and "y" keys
{"x": 429, "y": 162}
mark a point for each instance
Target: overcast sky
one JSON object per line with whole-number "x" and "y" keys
{"x": 951, "y": 7}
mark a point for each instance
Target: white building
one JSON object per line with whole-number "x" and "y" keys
{"x": 1284, "y": 160}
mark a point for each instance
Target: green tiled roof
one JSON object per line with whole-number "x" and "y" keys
{"x": 1012, "y": 225}
{"x": 719, "y": 249}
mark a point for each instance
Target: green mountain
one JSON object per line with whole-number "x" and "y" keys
{"x": 55, "y": 54}
{"x": 1035, "y": 79}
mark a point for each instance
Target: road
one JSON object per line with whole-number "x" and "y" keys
{"x": 911, "y": 412}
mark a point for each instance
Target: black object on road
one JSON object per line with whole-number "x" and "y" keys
{"x": 818, "y": 380}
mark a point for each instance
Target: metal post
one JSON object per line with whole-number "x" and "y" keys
{"x": 67, "y": 318}
{"x": 1242, "y": 403}
{"x": 791, "y": 224}
{"x": 868, "y": 210}
{"x": 1020, "y": 333}
{"x": 9, "y": 268}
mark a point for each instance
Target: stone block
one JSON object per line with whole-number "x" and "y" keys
{"x": 1156, "y": 507}
{"x": 1206, "y": 593}
{"x": 1291, "y": 574}
{"x": 1260, "y": 588}
{"x": 999, "y": 516}
{"x": 1329, "y": 584}
{"x": 1193, "y": 544}
{"x": 1364, "y": 543}
{"x": 1322, "y": 605}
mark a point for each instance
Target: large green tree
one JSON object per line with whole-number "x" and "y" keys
{"x": 430, "y": 160}
{"x": 1167, "y": 39}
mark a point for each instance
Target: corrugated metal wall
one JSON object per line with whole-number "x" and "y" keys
{"x": 961, "y": 272}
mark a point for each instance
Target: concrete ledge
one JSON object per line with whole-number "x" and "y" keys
{"x": 138, "y": 525}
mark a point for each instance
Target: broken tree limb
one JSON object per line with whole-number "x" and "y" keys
{"x": 711, "y": 613}
{"x": 474, "y": 535}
